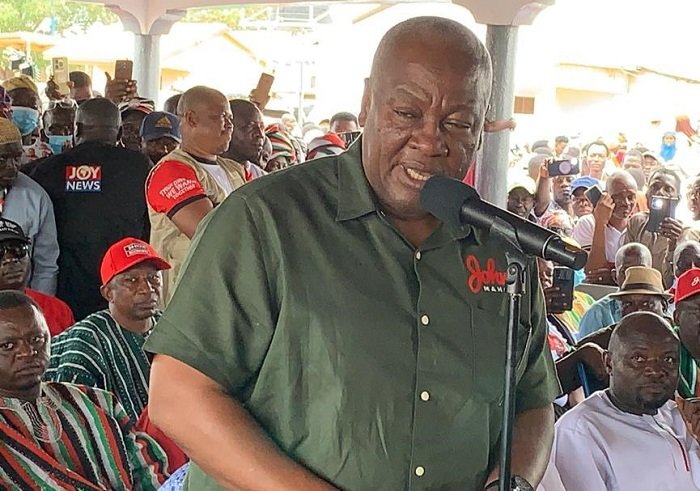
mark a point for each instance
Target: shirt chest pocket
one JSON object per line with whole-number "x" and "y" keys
{"x": 489, "y": 328}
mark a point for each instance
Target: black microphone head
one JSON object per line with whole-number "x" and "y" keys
{"x": 565, "y": 253}
{"x": 443, "y": 198}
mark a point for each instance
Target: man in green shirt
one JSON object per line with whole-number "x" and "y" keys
{"x": 327, "y": 333}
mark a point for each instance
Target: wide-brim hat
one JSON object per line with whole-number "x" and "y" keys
{"x": 640, "y": 280}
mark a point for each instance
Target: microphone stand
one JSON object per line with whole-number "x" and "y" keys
{"x": 515, "y": 287}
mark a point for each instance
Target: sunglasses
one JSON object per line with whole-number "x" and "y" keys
{"x": 17, "y": 251}
{"x": 63, "y": 104}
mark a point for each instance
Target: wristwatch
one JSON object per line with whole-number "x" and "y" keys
{"x": 517, "y": 483}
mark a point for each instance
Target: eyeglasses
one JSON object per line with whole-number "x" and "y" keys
{"x": 62, "y": 104}
{"x": 14, "y": 250}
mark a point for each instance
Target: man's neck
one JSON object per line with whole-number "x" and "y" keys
{"x": 197, "y": 152}
{"x": 234, "y": 155}
{"x": 628, "y": 409}
{"x": 415, "y": 231}
{"x": 134, "y": 325}
{"x": 618, "y": 223}
{"x": 30, "y": 394}
{"x": 566, "y": 206}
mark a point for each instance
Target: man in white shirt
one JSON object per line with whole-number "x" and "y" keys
{"x": 602, "y": 231}
{"x": 632, "y": 436}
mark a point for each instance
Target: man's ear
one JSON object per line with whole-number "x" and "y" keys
{"x": 190, "y": 118}
{"x": 607, "y": 359}
{"x": 362, "y": 117}
{"x": 676, "y": 317}
{"x": 106, "y": 292}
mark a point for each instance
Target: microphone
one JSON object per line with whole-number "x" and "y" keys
{"x": 455, "y": 203}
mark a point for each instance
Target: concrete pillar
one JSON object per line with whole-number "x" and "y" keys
{"x": 147, "y": 65}
{"x": 492, "y": 171}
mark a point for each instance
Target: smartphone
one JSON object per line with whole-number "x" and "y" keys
{"x": 564, "y": 279}
{"x": 261, "y": 93}
{"x": 59, "y": 67}
{"x": 660, "y": 208}
{"x": 350, "y": 137}
{"x": 123, "y": 70}
{"x": 594, "y": 194}
{"x": 563, "y": 167}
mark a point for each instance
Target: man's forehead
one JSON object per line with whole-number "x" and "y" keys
{"x": 10, "y": 149}
{"x": 17, "y": 320}
{"x": 693, "y": 301}
{"x": 419, "y": 80}
{"x": 146, "y": 266}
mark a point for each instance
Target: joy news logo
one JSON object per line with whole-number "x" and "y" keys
{"x": 83, "y": 179}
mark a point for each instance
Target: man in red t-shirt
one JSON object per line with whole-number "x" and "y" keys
{"x": 14, "y": 272}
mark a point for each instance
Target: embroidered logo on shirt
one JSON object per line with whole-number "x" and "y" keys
{"x": 487, "y": 280}
{"x": 135, "y": 250}
{"x": 83, "y": 179}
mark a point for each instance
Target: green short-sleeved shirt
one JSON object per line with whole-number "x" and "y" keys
{"x": 365, "y": 360}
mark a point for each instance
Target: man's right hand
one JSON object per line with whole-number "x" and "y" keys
{"x": 690, "y": 410}
{"x": 604, "y": 209}
{"x": 119, "y": 90}
{"x": 592, "y": 356}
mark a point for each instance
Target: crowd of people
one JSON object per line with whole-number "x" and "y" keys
{"x": 201, "y": 298}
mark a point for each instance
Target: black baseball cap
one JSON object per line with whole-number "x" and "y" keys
{"x": 10, "y": 230}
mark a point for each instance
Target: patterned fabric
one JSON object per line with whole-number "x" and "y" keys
{"x": 572, "y": 318}
{"x": 95, "y": 450}
{"x": 98, "y": 352}
{"x": 282, "y": 145}
{"x": 5, "y": 104}
{"x": 176, "y": 482}
{"x": 688, "y": 381}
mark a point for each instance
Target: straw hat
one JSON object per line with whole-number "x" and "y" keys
{"x": 640, "y": 280}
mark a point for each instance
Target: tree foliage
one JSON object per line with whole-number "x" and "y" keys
{"x": 231, "y": 16}
{"x": 28, "y": 15}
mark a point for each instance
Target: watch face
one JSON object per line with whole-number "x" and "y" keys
{"x": 520, "y": 484}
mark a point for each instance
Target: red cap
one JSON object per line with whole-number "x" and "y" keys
{"x": 126, "y": 254}
{"x": 687, "y": 285}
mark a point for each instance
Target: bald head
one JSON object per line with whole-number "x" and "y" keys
{"x": 97, "y": 120}
{"x": 205, "y": 122}
{"x": 619, "y": 179}
{"x": 242, "y": 109}
{"x": 198, "y": 97}
{"x": 685, "y": 257}
{"x": 645, "y": 325}
{"x": 443, "y": 41}
{"x": 632, "y": 254}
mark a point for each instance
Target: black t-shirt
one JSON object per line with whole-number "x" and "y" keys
{"x": 98, "y": 196}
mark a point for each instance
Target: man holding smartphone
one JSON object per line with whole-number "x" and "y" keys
{"x": 602, "y": 231}
{"x": 554, "y": 190}
{"x": 661, "y": 238}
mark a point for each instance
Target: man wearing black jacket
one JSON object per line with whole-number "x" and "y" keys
{"x": 97, "y": 190}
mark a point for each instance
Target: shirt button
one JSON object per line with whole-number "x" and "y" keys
{"x": 425, "y": 395}
{"x": 418, "y": 256}
{"x": 420, "y": 471}
{"x": 425, "y": 320}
